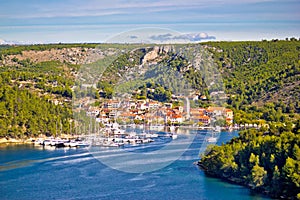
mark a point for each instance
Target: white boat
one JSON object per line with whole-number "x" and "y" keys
{"x": 82, "y": 144}
{"x": 71, "y": 143}
{"x": 110, "y": 144}
{"x": 39, "y": 141}
{"x": 139, "y": 141}
{"x": 48, "y": 147}
{"x": 47, "y": 142}
{"x": 131, "y": 135}
{"x": 131, "y": 140}
{"x": 212, "y": 139}
{"x": 146, "y": 140}
{"x": 118, "y": 131}
{"x": 174, "y": 136}
{"x": 53, "y": 142}
{"x": 57, "y": 142}
{"x": 172, "y": 128}
{"x": 151, "y": 135}
{"x": 217, "y": 129}
{"x": 74, "y": 143}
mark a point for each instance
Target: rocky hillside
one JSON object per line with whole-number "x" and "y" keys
{"x": 75, "y": 55}
{"x": 181, "y": 69}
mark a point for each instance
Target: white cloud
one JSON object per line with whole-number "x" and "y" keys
{"x": 189, "y": 37}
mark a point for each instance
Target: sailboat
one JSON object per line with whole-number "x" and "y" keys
{"x": 172, "y": 134}
{"x": 213, "y": 138}
{"x": 172, "y": 128}
{"x": 147, "y": 133}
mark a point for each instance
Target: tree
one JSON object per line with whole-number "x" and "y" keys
{"x": 276, "y": 181}
{"x": 108, "y": 92}
{"x": 258, "y": 176}
{"x": 291, "y": 171}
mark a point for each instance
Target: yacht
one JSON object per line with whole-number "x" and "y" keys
{"x": 39, "y": 141}
{"x": 82, "y": 144}
{"x": 174, "y": 136}
{"x": 212, "y": 139}
{"x": 110, "y": 144}
{"x": 47, "y": 142}
{"x": 171, "y": 135}
{"x": 172, "y": 128}
{"x": 151, "y": 135}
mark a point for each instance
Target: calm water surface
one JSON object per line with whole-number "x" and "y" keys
{"x": 28, "y": 172}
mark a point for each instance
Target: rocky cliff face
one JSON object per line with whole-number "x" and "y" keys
{"x": 156, "y": 52}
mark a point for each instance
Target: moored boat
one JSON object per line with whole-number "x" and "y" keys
{"x": 212, "y": 139}
{"x": 174, "y": 136}
{"x": 47, "y": 142}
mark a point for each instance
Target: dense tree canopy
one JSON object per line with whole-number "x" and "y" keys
{"x": 261, "y": 159}
{"x": 32, "y": 99}
{"x": 258, "y": 72}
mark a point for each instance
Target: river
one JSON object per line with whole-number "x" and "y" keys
{"x": 31, "y": 172}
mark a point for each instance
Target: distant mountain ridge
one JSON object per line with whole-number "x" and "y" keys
{"x": 9, "y": 42}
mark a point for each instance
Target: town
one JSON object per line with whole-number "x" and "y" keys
{"x": 154, "y": 113}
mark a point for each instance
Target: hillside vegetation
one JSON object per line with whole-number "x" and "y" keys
{"x": 260, "y": 72}
{"x": 261, "y": 78}
{"x": 264, "y": 160}
{"x": 27, "y": 96}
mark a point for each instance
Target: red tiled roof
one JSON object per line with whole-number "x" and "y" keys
{"x": 204, "y": 117}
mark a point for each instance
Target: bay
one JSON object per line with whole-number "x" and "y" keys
{"x": 30, "y": 172}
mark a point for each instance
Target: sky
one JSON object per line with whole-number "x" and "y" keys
{"x": 52, "y": 21}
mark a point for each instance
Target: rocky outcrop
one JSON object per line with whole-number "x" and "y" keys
{"x": 156, "y": 52}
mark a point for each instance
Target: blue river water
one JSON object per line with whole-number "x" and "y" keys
{"x": 30, "y": 172}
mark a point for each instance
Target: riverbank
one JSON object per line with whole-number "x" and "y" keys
{"x": 8, "y": 140}
{"x": 15, "y": 141}
{"x": 236, "y": 181}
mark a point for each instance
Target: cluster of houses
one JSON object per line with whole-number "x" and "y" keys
{"x": 206, "y": 115}
{"x": 147, "y": 111}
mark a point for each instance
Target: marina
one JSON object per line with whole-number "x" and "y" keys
{"x": 111, "y": 136}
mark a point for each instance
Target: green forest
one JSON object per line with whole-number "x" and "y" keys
{"x": 266, "y": 160}
{"x": 27, "y": 99}
{"x": 262, "y": 79}
{"x": 256, "y": 73}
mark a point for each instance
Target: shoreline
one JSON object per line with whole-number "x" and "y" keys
{"x": 237, "y": 181}
{"x": 15, "y": 141}
{"x": 7, "y": 140}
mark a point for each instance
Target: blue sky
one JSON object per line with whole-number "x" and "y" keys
{"x": 43, "y": 21}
